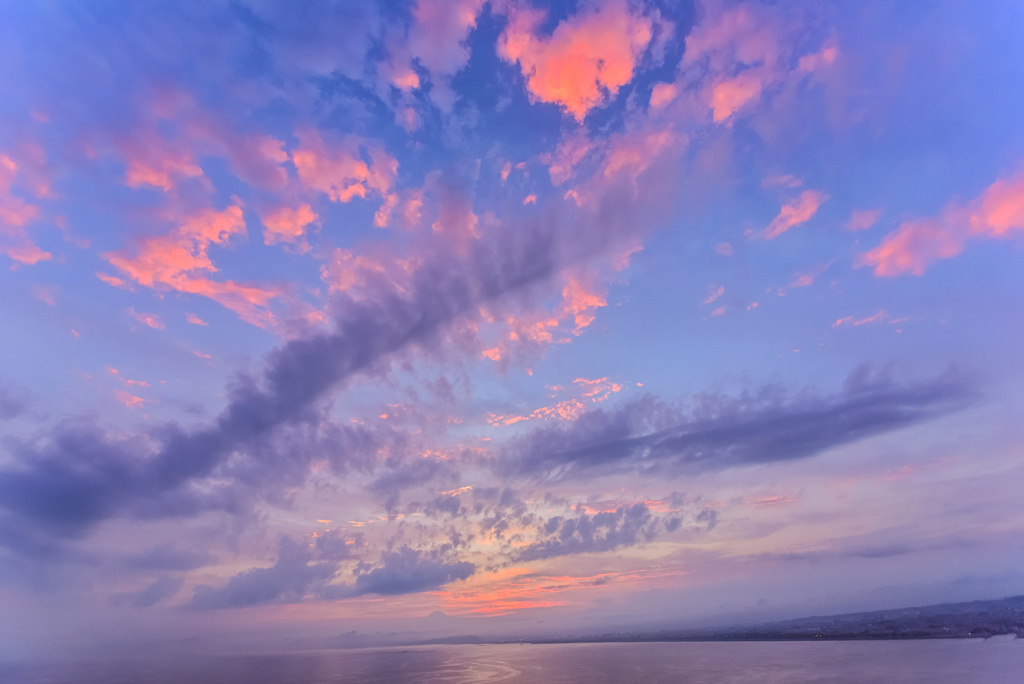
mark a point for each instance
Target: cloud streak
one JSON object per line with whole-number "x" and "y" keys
{"x": 650, "y": 436}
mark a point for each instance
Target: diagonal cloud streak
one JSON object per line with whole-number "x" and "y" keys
{"x": 648, "y": 435}
{"x": 81, "y": 476}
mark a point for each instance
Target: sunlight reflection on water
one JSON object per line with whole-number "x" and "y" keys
{"x": 888, "y": 662}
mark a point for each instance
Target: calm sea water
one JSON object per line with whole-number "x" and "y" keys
{"x": 884, "y": 662}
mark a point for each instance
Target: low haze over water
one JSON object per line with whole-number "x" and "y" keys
{"x": 883, "y": 662}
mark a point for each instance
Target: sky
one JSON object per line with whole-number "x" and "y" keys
{"x": 336, "y": 323}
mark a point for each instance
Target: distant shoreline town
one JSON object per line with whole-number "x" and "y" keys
{"x": 969, "y": 620}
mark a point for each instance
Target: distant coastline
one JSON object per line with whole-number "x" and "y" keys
{"x": 969, "y": 620}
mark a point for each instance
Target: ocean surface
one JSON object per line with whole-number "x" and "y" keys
{"x": 884, "y": 662}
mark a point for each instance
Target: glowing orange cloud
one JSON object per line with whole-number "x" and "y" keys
{"x": 581, "y": 302}
{"x": 584, "y": 61}
{"x": 164, "y": 259}
{"x": 569, "y": 409}
{"x": 578, "y": 306}
{"x": 597, "y": 390}
{"x": 511, "y": 589}
{"x": 176, "y": 261}
{"x": 341, "y": 172}
{"x": 800, "y": 210}
{"x": 997, "y": 213}
{"x": 129, "y": 400}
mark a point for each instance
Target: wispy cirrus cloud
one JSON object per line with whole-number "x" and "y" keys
{"x": 798, "y": 211}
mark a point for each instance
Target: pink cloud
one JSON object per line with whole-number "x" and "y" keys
{"x": 635, "y": 152}
{"x": 152, "y": 320}
{"x": 738, "y": 53}
{"x": 158, "y": 166}
{"x": 569, "y": 153}
{"x": 127, "y": 382}
{"x": 819, "y": 60}
{"x": 437, "y": 37}
{"x": 807, "y": 278}
{"x": 44, "y": 295}
{"x": 113, "y": 281}
{"x": 584, "y": 62}
{"x": 593, "y": 390}
{"x": 997, "y": 213}
{"x": 798, "y": 211}
{"x": 862, "y": 219}
{"x": 729, "y": 95}
{"x": 130, "y": 400}
{"x": 714, "y": 293}
{"x": 456, "y": 222}
{"x": 249, "y": 301}
{"x": 177, "y": 261}
{"x": 287, "y": 224}
{"x": 723, "y": 248}
{"x": 1001, "y": 209}
{"x": 912, "y": 247}
{"x": 162, "y": 148}
{"x": 581, "y": 302}
{"x": 366, "y": 275}
{"x": 781, "y": 181}
{"x": 527, "y": 334}
{"x": 341, "y": 172}
{"x": 662, "y": 94}
{"x": 195, "y": 320}
{"x": 878, "y": 317}
{"x": 166, "y": 259}
{"x": 598, "y": 389}
{"x": 16, "y": 214}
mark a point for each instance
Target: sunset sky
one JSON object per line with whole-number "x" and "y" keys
{"x": 506, "y": 317}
